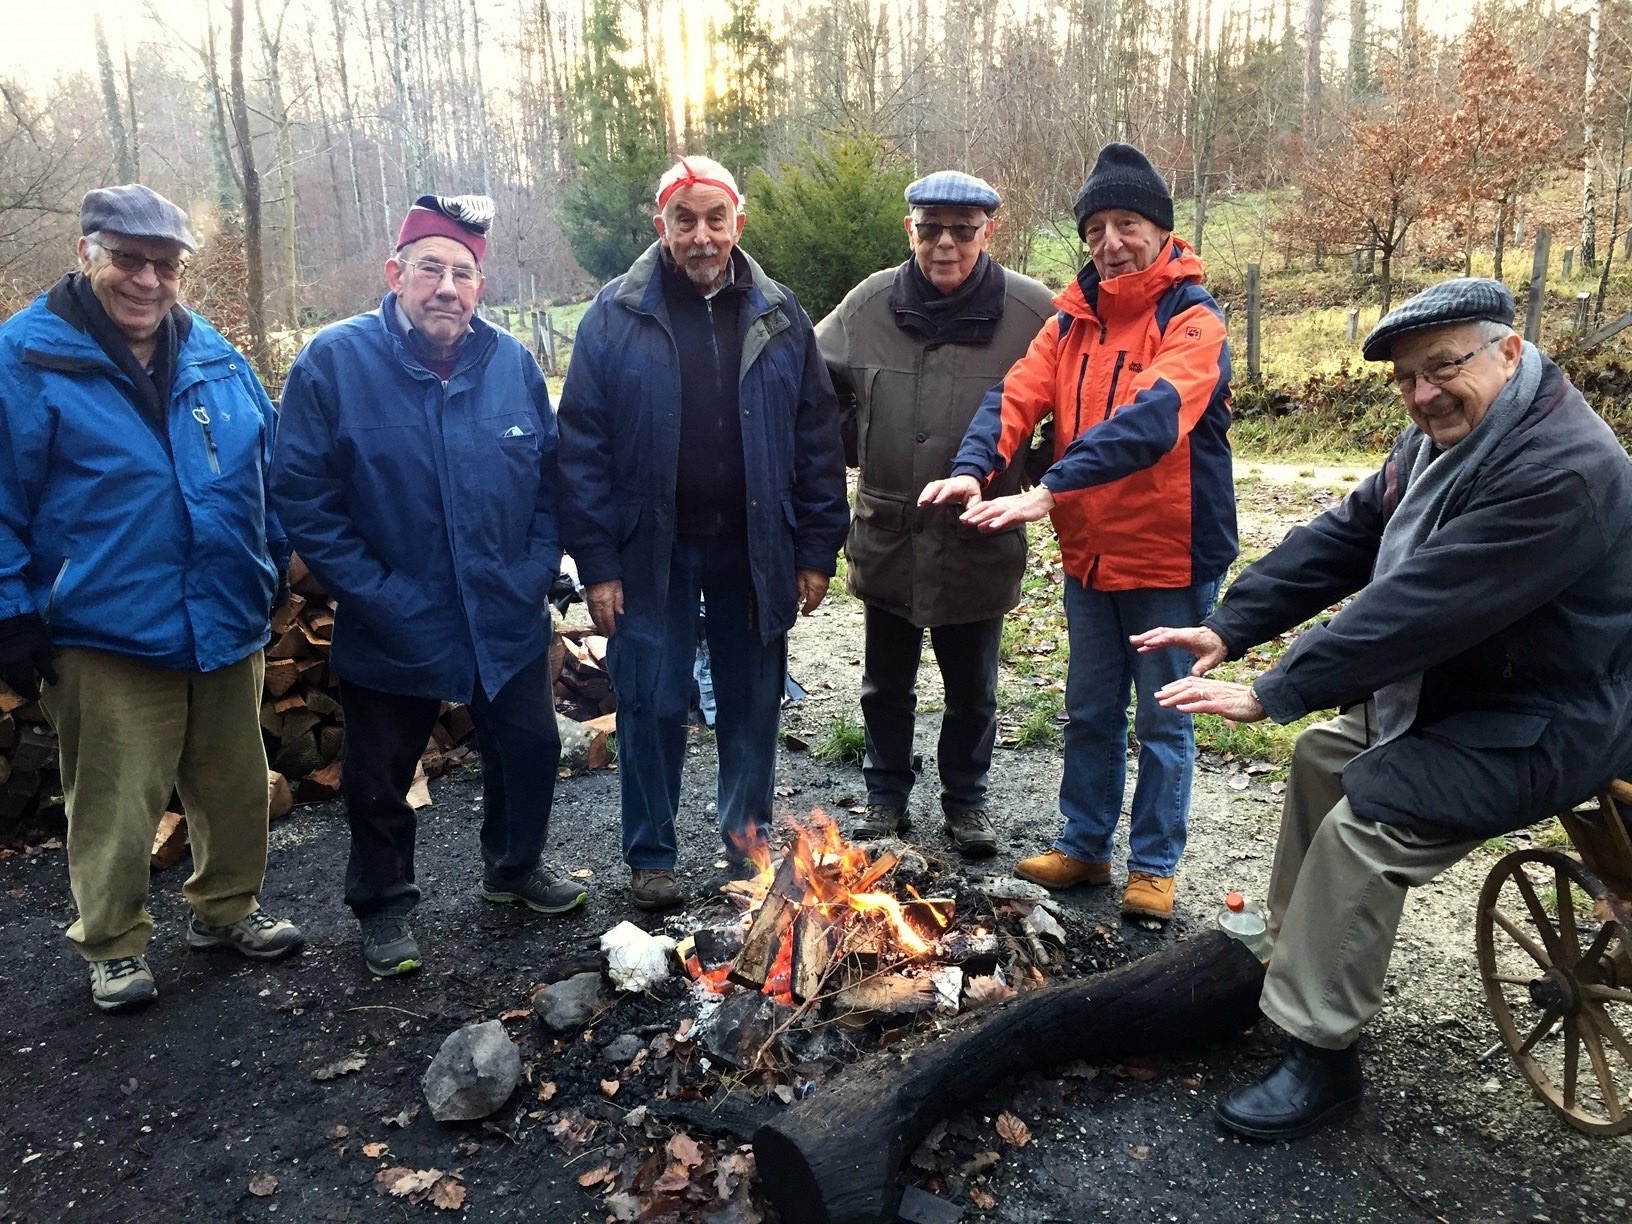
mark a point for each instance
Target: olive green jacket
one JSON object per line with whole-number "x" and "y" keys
{"x": 906, "y": 404}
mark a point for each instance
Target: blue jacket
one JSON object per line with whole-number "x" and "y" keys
{"x": 620, "y": 440}
{"x": 164, "y": 554}
{"x": 427, "y": 509}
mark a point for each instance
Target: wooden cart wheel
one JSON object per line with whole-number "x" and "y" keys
{"x": 1557, "y": 969}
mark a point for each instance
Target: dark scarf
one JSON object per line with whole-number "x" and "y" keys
{"x": 968, "y": 315}
{"x": 76, "y": 303}
{"x": 440, "y": 365}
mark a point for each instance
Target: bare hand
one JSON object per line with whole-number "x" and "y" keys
{"x": 1017, "y": 508}
{"x": 1200, "y": 641}
{"x": 605, "y": 600}
{"x": 812, "y": 589}
{"x": 1236, "y": 702}
{"x": 965, "y": 490}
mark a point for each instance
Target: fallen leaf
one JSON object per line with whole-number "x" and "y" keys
{"x": 981, "y": 1199}
{"x": 16, "y": 894}
{"x": 448, "y": 1194}
{"x": 583, "y": 873}
{"x": 683, "y": 1029}
{"x": 403, "y": 1119}
{"x": 1142, "y": 1072}
{"x": 731, "y": 1171}
{"x": 546, "y": 1090}
{"x": 623, "y": 1207}
{"x": 341, "y": 1066}
{"x": 635, "y": 1064}
{"x": 609, "y": 1088}
{"x": 375, "y": 1150}
{"x": 516, "y": 1013}
{"x": 978, "y": 1164}
{"x": 466, "y": 1150}
{"x": 337, "y": 1133}
{"x": 683, "y": 1148}
{"x": 784, "y": 1094}
{"x": 1012, "y": 1130}
{"x": 263, "y": 1184}
{"x": 1140, "y": 1151}
{"x": 400, "y": 1182}
{"x": 674, "y": 1180}
{"x": 595, "y": 1176}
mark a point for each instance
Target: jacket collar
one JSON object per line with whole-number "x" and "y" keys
{"x": 473, "y": 351}
{"x": 54, "y": 337}
{"x": 641, "y": 288}
{"x": 1125, "y": 297}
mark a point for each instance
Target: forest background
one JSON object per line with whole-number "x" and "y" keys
{"x": 1349, "y": 150}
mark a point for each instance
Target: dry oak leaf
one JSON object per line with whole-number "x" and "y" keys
{"x": 731, "y": 1171}
{"x": 375, "y": 1150}
{"x": 546, "y": 1090}
{"x": 1011, "y": 1130}
{"x": 683, "y": 1149}
{"x": 263, "y": 1184}
{"x": 448, "y": 1194}
{"x": 595, "y": 1176}
{"x": 516, "y": 1013}
{"x": 341, "y": 1066}
{"x": 400, "y": 1183}
{"x": 674, "y": 1180}
{"x": 981, "y": 1199}
{"x": 609, "y": 1088}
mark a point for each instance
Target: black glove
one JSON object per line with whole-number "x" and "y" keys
{"x": 25, "y": 655}
{"x": 279, "y": 596}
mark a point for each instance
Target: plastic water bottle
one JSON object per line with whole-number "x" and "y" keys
{"x": 1244, "y": 920}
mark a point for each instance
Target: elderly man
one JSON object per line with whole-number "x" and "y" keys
{"x": 415, "y": 473}
{"x": 912, "y": 350}
{"x": 137, "y": 571}
{"x": 1136, "y": 372}
{"x": 1483, "y": 666}
{"x": 700, "y": 455}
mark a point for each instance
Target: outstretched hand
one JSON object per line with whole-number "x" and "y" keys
{"x": 965, "y": 490}
{"x": 1193, "y": 695}
{"x": 1010, "y": 511}
{"x": 1200, "y": 641}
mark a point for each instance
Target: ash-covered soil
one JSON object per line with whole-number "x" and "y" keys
{"x": 171, "y": 1113}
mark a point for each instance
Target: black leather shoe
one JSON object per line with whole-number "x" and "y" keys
{"x": 1310, "y": 1088}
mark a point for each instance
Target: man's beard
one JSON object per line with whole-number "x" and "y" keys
{"x": 703, "y": 274}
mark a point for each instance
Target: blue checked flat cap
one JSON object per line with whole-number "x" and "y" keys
{"x": 1467, "y": 299}
{"x": 136, "y": 212}
{"x": 953, "y": 189}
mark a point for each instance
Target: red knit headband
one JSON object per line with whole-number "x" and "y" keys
{"x": 692, "y": 179}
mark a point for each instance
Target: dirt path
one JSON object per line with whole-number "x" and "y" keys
{"x": 167, "y": 1115}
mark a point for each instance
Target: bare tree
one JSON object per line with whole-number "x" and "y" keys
{"x": 1589, "y": 142}
{"x": 124, "y": 166}
{"x": 254, "y": 270}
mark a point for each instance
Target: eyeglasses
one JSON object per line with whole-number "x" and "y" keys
{"x": 931, "y": 231}
{"x": 431, "y": 272}
{"x": 132, "y": 263}
{"x": 1441, "y": 372}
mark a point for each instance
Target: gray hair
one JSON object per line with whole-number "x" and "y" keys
{"x": 1490, "y": 330}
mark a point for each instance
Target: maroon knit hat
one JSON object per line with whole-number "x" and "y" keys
{"x": 464, "y": 218}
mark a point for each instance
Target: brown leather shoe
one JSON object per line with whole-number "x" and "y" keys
{"x": 655, "y": 889}
{"x": 1148, "y": 896}
{"x": 1052, "y": 869}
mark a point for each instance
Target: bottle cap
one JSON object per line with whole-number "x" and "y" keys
{"x": 1235, "y": 902}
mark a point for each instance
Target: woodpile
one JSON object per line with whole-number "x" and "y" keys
{"x": 30, "y": 784}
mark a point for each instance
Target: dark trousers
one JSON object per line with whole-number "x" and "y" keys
{"x": 967, "y": 655}
{"x": 386, "y": 734}
{"x": 748, "y": 675}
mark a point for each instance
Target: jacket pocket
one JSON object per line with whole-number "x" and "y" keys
{"x": 1490, "y": 728}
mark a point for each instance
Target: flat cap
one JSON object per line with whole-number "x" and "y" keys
{"x": 136, "y": 212}
{"x": 1467, "y": 299}
{"x": 953, "y": 189}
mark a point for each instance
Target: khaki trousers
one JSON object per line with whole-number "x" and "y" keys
{"x": 1337, "y": 891}
{"x": 128, "y": 733}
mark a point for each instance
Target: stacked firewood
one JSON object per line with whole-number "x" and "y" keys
{"x": 30, "y": 785}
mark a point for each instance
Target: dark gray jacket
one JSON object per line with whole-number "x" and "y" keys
{"x": 1517, "y": 612}
{"x": 912, "y": 402}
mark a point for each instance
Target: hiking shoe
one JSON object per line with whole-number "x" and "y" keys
{"x": 389, "y": 947}
{"x": 971, "y": 832}
{"x": 256, "y": 935}
{"x": 656, "y": 889}
{"x": 881, "y": 820}
{"x": 122, "y": 984}
{"x": 1148, "y": 896}
{"x": 1052, "y": 869}
{"x": 545, "y": 890}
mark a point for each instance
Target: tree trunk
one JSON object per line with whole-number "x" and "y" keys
{"x": 1314, "y": 31}
{"x": 254, "y": 273}
{"x": 1501, "y": 240}
{"x": 350, "y": 121}
{"x": 1589, "y": 145}
{"x": 134, "y": 130}
{"x": 272, "y": 52}
{"x": 481, "y": 98}
{"x": 834, "y": 1158}
{"x": 111, "y": 107}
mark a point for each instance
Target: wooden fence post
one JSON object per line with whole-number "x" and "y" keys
{"x": 1569, "y": 260}
{"x": 1252, "y": 322}
{"x": 1351, "y": 325}
{"x": 1538, "y": 286}
{"x": 1583, "y": 305}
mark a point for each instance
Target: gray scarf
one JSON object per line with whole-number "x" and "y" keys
{"x": 1433, "y": 480}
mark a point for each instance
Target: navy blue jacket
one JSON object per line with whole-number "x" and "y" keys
{"x": 164, "y": 554}
{"x": 427, "y": 509}
{"x": 620, "y": 439}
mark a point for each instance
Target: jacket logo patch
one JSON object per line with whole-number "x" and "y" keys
{"x": 1193, "y": 332}
{"x": 1136, "y": 366}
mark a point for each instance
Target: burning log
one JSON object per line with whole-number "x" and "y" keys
{"x": 833, "y": 1158}
{"x": 812, "y": 954}
{"x": 894, "y": 995}
{"x": 753, "y": 963}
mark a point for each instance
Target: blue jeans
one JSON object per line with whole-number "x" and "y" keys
{"x": 747, "y": 674}
{"x": 1103, "y": 667}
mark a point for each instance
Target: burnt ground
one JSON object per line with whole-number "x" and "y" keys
{"x": 168, "y": 1114}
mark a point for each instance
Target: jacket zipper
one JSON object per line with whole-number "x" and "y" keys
{"x": 51, "y": 599}
{"x": 1081, "y": 374}
{"x": 1110, "y": 396}
{"x": 202, "y": 416}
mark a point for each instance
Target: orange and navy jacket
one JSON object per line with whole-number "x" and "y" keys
{"x": 1136, "y": 372}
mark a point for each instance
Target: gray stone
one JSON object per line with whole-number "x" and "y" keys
{"x": 736, "y": 1030}
{"x": 565, "y": 1007}
{"x": 622, "y": 1048}
{"x": 473, "y": 1073}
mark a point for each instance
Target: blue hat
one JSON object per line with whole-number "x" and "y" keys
{"x": 953, "y": 189}
{"x": 136, "y": 212}
{"x": 1466, "y": 299}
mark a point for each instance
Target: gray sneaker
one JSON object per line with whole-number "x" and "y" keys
{"x": 652, "y": 890}
{"x": 971, "y": 832}
{"x": 881, "y": 820}
{"x": 256, "y": 935}
{"x": 545, "y": 890}
{"x": 389, "y": 947}
{"x": 122, "y": 984}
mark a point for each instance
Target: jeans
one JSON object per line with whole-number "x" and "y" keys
{"x": 1103, "y": 667}
{"x": 385, "y": 736}
{"x": 967, "y": 655}
{"x": 748, "y": 683}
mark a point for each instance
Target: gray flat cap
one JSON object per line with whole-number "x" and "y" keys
{"x": 1467, "y": 299}
{"x": 136, "y": 212}
{"x": 953, "y": 189}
